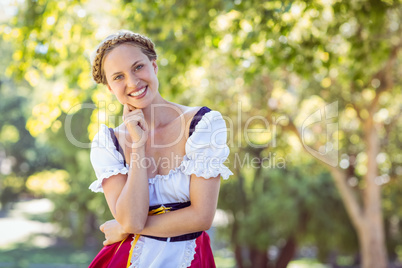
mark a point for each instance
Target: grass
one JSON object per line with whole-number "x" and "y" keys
{"x": 224, "y": 258}
{"x": 66, "y": 256}
{"x": 63, "y": 256}
{"x": 306, "y": 263}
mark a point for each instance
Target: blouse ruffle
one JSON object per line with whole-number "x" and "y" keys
{"x": 206, "y": 148}
{"x": 105, "y": 159}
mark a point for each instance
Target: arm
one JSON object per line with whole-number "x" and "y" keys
{"x": 128, "y": 195}
{"x": 122, "y": 191}
{"x": 197, "y": 217}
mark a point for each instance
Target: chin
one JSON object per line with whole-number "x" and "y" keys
{"x": 141, "y": 104}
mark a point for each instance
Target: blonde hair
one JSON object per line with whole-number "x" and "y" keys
{"x": 112, "y": 41}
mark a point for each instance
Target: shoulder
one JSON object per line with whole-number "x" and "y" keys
{"x": 201, "y": 117}
{"x": 102, "y": 138}
{"x": 186, "y": 116}
{"x": 207, "y": 128}
{"x": 205, "y": 117}
{"x": 206, "y": 148}
{"x": 105, "y": 158}
{"x": 104, "y": 147}
{"x": 190, "y": 112}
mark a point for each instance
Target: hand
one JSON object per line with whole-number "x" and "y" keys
{"x": 136, "y": 125}
{"x": 113, "y": 232}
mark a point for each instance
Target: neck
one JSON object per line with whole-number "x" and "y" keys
{"x": 160, "y": 112}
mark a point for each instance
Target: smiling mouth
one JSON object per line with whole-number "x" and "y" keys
{"x": 139, "y": 92}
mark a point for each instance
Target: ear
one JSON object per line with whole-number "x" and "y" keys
{"x": 155, "y": 66}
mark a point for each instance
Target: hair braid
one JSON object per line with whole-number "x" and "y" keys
{"x": 112, "y": 41}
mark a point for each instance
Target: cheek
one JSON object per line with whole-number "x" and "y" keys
{"x": 121, "y": 99}
{"x": 118, "y": 92}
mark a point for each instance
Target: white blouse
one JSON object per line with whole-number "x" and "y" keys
{"x": 205, "y": 152}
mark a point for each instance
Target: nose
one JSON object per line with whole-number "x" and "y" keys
{"x": 133, "y": 81}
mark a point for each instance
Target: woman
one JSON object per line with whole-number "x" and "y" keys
{"x": 165, "y": 157}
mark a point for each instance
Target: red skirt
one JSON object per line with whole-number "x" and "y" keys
{"x": 117, "y": 254}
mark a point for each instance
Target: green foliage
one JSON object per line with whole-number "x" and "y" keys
{"x": 50, "y": 82}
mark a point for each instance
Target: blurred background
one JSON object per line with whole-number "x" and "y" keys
{"x": 310, "y": 91}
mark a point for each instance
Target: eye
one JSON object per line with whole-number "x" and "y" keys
{"x": 139, "y": 67}
{"x": 118, "y": 77}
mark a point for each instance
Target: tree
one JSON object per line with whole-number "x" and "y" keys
{"x": 20, "y": 155}
{"x": 50, "y": 68}
{"x": 354, "y": 61}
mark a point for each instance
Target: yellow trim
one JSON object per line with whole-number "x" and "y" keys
{"x": 157, "y": 211}
{"x": 121, "y": 243}
{"x": 131, "y": 250}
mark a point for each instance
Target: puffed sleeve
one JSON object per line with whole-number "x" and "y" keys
{"x": 105, "y": 158}
{"x": 206, "y": 148}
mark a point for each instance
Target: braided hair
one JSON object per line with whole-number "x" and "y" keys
{"x": 112, "y": 41}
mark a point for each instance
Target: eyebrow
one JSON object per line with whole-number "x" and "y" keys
{"x": 119, "y": 72}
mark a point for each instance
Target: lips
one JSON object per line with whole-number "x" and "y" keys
{"x": 139, "y": 93}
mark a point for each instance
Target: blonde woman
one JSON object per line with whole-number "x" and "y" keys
{"x": 159, "y": 170}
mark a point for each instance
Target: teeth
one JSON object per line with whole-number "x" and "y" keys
{"x": 135, "y": 94}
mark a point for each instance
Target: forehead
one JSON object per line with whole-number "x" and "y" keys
{"x": 122, "y": 57}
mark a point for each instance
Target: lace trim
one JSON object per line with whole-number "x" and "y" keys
{"x": 135, "y": 258}
{"x": 189, "y": 166}
{"x": 96, "y": 186}
{"x": 207, "y": 169}
{"x": 189, "y": 254}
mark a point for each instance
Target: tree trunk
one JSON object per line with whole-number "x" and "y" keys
{"x": 238, "y": 256}
{"x": 367, "y": 217}
{"x": 287, "y": 253}
{"x": 259, "y": 258}
{"x": 372, "y": 246}
{"x": 371, "y": 230}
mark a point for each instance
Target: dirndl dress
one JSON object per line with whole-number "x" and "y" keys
{"x": 205, "y": 153}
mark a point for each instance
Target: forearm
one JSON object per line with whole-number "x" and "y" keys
{"x": 133, "y": 202}
{"x": 197, "y": 217}
{"x": 179, "y": 222}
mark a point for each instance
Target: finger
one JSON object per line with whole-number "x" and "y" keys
{"x": 126, "y": 110}
{"x": 130, "y": 110}
{"x": 143, "y": 124}
{"x": 102, "y": 227}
